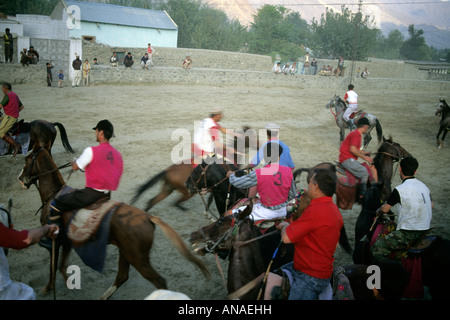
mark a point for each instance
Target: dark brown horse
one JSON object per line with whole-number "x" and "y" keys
{"x": 388, "y": 153}
{"x": 42, "y": 134}
{"x": 131, "y": 229}
{"x": 443, "y": 111}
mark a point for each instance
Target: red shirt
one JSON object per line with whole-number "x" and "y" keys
{"x": 12, "y": 107}
{"x": 354, "y": 138}
{"x": 10, "y": 238}
{"x": 316, "y": 235}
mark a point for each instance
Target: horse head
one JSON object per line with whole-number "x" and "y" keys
{"x": 443, "y": 109}
{"x": 37, "y": 164}
{"x": 217, "y": 236}
{"x": 392, "y": 149}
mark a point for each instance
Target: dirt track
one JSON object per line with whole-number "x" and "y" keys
{"x": 145, "y": 116}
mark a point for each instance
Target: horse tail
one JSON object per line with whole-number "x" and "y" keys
{"x": 148, "y": 185}
{"x": 379, "y": 131}
{"x": 180, "y": 245}
{"x": 298, "y": 172}
{"x": 64, "y": 139}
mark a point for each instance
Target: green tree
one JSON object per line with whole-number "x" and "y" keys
{"x": 388, "y": 48}
{"x": 415, "y": 48}
{"x": 345, "y": 34}
{"x": 42, "y": 7}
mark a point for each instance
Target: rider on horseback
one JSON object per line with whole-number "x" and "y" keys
{"x": 274, "y": 183}
{"x": 351, "y": 97}
{"x": 415, "y": 211}
{"x": 350, "y": 151}
{"x": 12, "y": 105}
{"x": 103, "y": 167}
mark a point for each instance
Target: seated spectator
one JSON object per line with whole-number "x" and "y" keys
{"x": 145, "y": 61}
{"x": 95, "y": 62}
{"x": 365, "y": 73}
{"x": 114, "y": 60}
{"x": 187, "y": 63}
{"x": 293, "y": 68}
{"x": 34, "y": 55}
{"x": 128, "y": 60}
{"x": 25, "y": 58}
{"x": 286, "y": 68}
{"x": 307, "y": 65}
{"x": 277, "y": 68}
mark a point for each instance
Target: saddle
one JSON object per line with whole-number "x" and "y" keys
{"x": 20, "y": 127}
{"x": 86, "y": 222}
{"x": 346, "y": 178}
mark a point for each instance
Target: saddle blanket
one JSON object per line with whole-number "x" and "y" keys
{"x": 347, "y": 179}
{"x": 89, "y": 232}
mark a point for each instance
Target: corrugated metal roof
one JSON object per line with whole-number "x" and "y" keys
{"x": 113, "y": 14}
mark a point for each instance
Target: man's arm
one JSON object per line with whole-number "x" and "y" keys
{"x": 360, "y": 154}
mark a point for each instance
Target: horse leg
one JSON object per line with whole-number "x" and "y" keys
{"x": 165, "y": 192}
{"x": 121, "y": 277}
{"x": 185, "y": 196}
{"x": 342, "y": 134}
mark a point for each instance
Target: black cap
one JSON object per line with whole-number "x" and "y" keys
{"x": 107, "y": 128}
{"x": 363, "y": 122}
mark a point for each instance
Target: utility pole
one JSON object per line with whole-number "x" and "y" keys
{"x": 355, "y": 41}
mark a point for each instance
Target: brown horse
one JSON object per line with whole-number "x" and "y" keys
{"x": 42, "y": 134}
{"x": 131, "y": 229}
{"x": 388, "y": 153}
{"x": 175, "y": 176}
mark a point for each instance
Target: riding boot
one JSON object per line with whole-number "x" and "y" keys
{"x": 14, "y": 143}
{"x": 362, "y": 187}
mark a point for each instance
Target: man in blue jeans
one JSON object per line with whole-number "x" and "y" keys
{"x": 315, "y": 235}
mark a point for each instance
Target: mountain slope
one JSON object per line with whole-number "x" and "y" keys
{"x": 387, "y": 14}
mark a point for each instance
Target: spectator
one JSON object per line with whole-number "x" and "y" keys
{"x": 9, "y": 45}
{"x": 114, "y": 60}
{"x": 286, "y": 68}
{"x": 34, "y": 55}
{"x": 293, "y": 69}
{"x": 314, "y": 67}
{"x": 60, "y": 79}
{"x": 305, "y": 62}
{"x": 76, "y": 65}
{"x": 277, "y": 68}
{"x": 128, "y": 60}
{"x": 150, "y": 52}
{"x": 86, "y": 72}
{"x": 95, "y": 62}
{"x": 187, "y": 62}
{"x": 49, "y": 74}
{"x": 145, "y": 61}
{"x": 365, "y": 73}
{"x": 25, "y": 58}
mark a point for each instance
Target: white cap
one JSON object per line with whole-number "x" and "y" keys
{"x": 272, "y": 126}
{"x": 215, "y": 110}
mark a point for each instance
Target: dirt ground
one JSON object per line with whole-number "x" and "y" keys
{"x": 145, "y": 116}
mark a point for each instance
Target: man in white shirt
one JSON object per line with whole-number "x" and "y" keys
{"x": 414, "y": 215}
{"x": 351, "y": 97}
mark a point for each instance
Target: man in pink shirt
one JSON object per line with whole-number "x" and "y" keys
{"x": 103, "y": 167}
{"x": 11, "y": 104}
{"x": 350, "y": 151}
{"x": 315, "y": 235}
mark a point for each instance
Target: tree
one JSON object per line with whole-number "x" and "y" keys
{"x": 345, "y": 34}
{"x": 415, "y": 48}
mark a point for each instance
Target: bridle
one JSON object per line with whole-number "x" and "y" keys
{"x": 395, "y": 157}
{"x": 33, "y": 178}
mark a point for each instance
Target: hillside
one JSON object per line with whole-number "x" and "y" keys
{"x": 430, "y": 15}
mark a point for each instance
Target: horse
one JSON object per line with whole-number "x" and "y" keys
{"x": 388, "y": 153}
{"x": 252, "y": 255}
{"x": 443, "y": 110}
{"x": 339, "y": 105}
{"x": 42, "y": 133}
{"x": 434, "y": 259}
{"x": 210, "y": 176}
{"x": 175, "y": 176}
{"x": 131, "y": 230}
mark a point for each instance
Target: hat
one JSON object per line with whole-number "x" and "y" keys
{"x": 272, "y": 126}
{"x": 106, "y": 126}
{"x": 216, "y": 110}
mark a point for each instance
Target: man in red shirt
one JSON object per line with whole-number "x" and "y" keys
{"x": 11, "y": 104}
{"x": 315, "y": 235}
{"x": 350, "y": 151}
